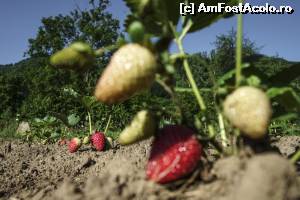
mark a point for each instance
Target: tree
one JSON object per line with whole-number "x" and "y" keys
{"x": 223, "y": 56}
{"x": 95, "y": 26}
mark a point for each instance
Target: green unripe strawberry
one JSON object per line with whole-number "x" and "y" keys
{"x": 86, "y": 140}
{"x": 142, "y": 127}
{"x": 78, "y": 56}
{"x": 136, "y": 31}
{"x": 131, "y": 69}
{"x": 249, "y": 109}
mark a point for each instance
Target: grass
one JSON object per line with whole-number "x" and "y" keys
{"x": 8, "y": 130}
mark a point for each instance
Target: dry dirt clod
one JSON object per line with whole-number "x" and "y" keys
{"x": 287, "y": 145}
{"x": 268, "y": 177}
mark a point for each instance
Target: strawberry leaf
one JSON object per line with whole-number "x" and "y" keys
{"x": 73, "y": 119}
{"x": 287, "y": 97}
{"x": 89, "y": 102}
{"x": 287, "y": 75}
{"x": 202, "y": 20}
{"x": 154, "y": 14}
{"x": 136, "y": 5}
{"x": 229, "y": 76}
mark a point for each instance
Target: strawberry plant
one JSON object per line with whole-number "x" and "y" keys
{"x": 243, "y": 100}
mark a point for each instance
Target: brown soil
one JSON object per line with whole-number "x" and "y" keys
{"x": 35, "y": 171}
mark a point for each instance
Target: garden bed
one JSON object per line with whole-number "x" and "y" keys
{"x": 36, "y": 171}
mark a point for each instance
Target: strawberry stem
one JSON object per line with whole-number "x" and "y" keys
{"x": 107, "y": 125}
{"x": 90, "y": 122}
{"x": 101, "y": 51}
{"x": 222, "y": 130}
{"x": 295, "y": 157}
{"x": 188, "y": 71}
{"x": 170, "y": 90}
{"x": 239, "y": 48}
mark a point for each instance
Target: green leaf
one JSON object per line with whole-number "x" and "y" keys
{"x": 287, "y": 97}
{"x": 73, "y": 119}
{"x": 229, "y": 76}
{"x": 38, "y": 120}
{"x": 46, "y": 121}
{"x": 71, "y": 91}
{"x": 89, "y": 101}
{"x": 252, "y": 76}
{"x": 137, "y": 5}
{"x": 287, "y": 75}
{"x": 54, "y": 135}
{"x": 202, "y": 20}
{"x": 154, "y": 14}
{"x": 253, "y": 81}
{"x": 49, "y": 119}
{"x": 286, "y": 117}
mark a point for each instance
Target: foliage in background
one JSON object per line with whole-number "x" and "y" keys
{"x": 95, "y": 26}
{"x": 33, "y": 90}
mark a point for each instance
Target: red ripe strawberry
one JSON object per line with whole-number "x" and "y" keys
{"x": 74, "y": 145}
{"x": 98, "y": 141}
{"x": 175, "y": 153}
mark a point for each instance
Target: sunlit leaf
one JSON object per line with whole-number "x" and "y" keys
{"x": 73, "y": 119}
{"x": 89, "y": 101}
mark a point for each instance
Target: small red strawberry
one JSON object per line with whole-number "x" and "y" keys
{"x": 98, "y": 140}
{"x": 175, "y": 153}
{"x": 74, "y": 145}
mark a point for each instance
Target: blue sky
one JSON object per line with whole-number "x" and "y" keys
{"x": 278, "y": 34}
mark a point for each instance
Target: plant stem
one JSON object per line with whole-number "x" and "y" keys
{"x": 295, "y": 157}
{"x": 90, "y": 121}
{"x": 107, "y": 125}
{"x": 181, "y": 89}
{"x": 175, "y": 57}
{"x": 222, "y": 130}
{"x": 239, "y": 48}
{"x": 170, "y": 91}
{"x": 101, "y": 51}
{"x": 211, "y": 131}
{"x": 187, "y": 68}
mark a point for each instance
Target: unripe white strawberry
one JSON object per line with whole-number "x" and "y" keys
{"x": 249, "y": 109}
{"x": 78, "y": 56}
{"x": 142, "y": 127}
{"x": 131, "y": 69}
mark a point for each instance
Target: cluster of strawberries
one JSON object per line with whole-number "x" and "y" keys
{"x": 175, "y": 151}
{"x": 97, "y": 139}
